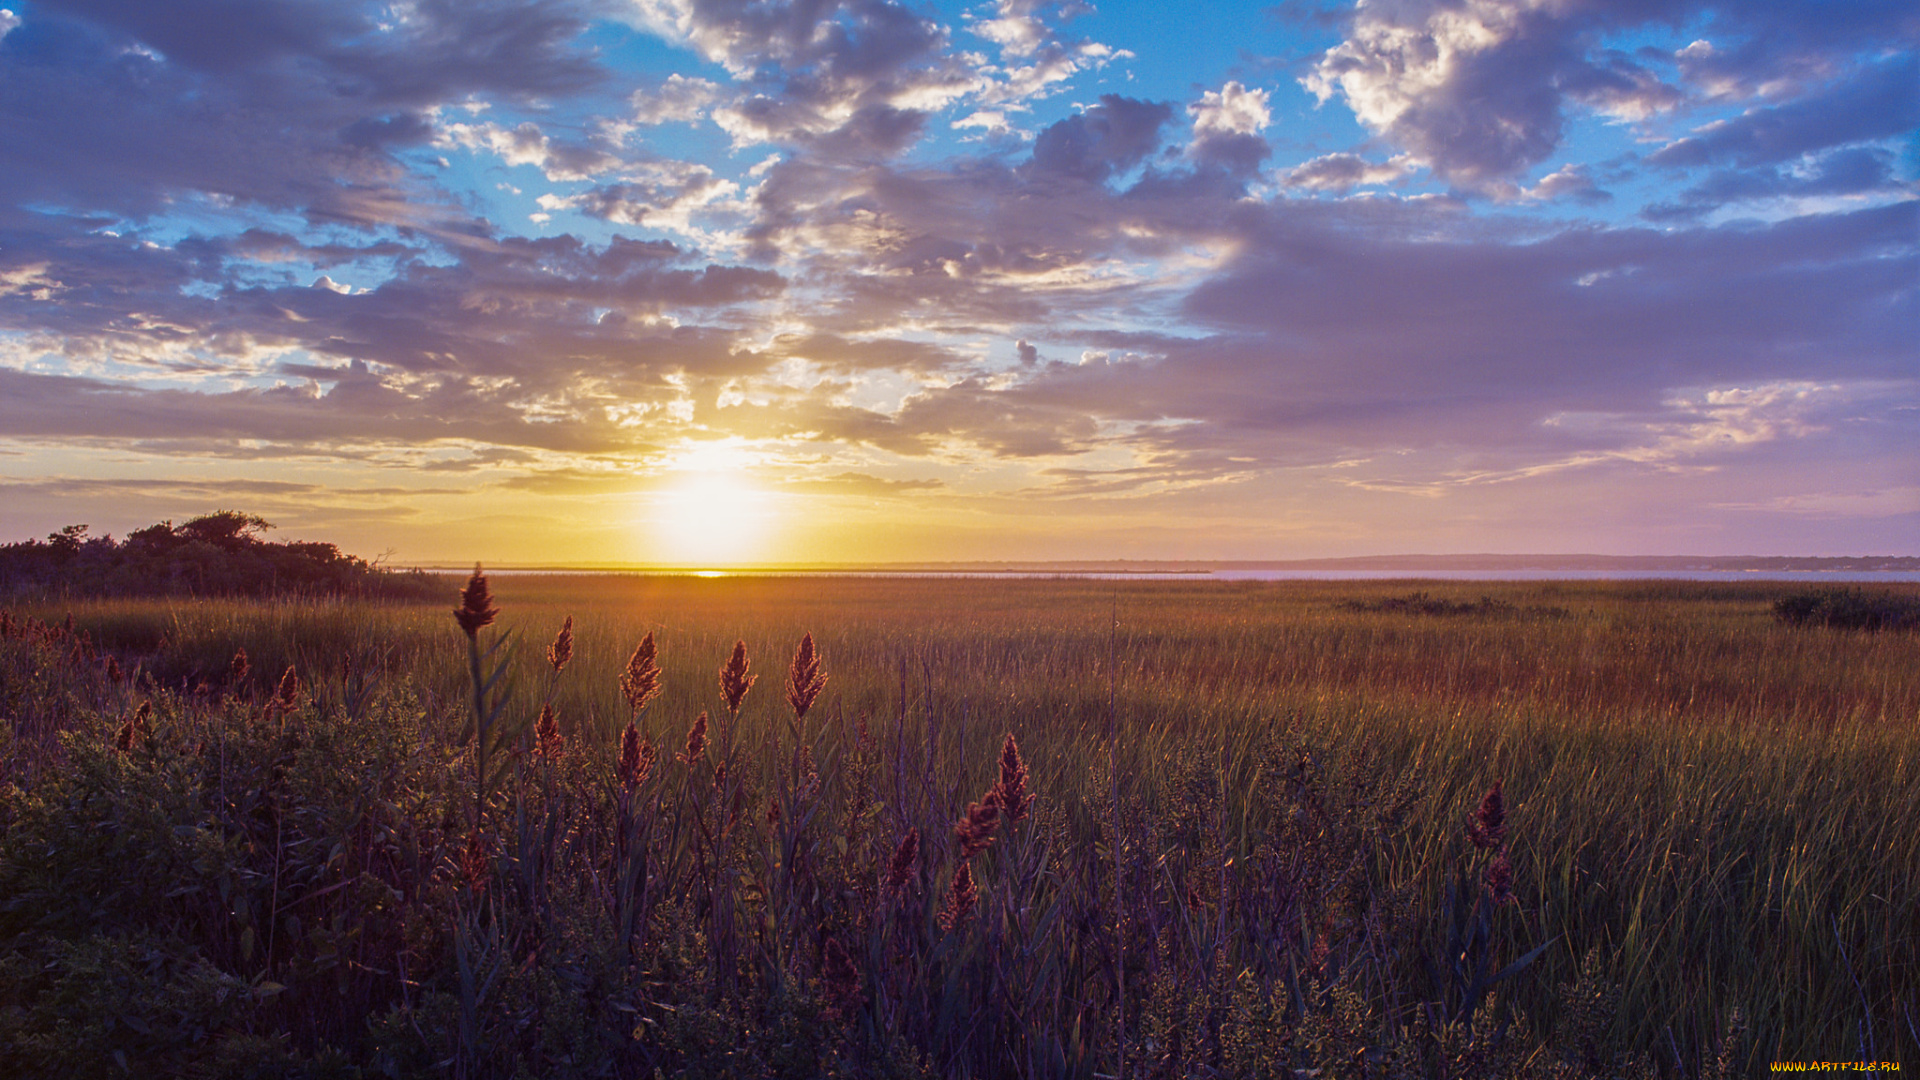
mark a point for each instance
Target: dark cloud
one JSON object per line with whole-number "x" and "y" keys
{"x": 1879, "y": 101}
{"x": 1482, "y": 92}
{"x": 1105, "y": 140}
{"x": 1859, "y": 170}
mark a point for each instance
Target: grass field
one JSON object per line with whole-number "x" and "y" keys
{"x": 1248, "y": 853}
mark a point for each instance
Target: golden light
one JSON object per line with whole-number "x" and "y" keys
{"x": 713, "y": 516}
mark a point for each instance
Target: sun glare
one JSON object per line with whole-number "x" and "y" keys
{"x": 711, "y": 518}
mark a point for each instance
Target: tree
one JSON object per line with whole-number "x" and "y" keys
{"x": 228, "y": 530}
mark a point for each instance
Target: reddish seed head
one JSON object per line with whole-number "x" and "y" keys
{"x": 640, "y": 683}
{"x": 476, "y": 604}
{"x": 561, "y": 650}
{"x": 901, "y": 869}
{"x": 138, "y": 728}
{"x": 975, "y": 831}
{"x": 804, "y": 679}
{"x": 960, "y": 897}
{"x": 1011, "y": 791}
{"x": 1498, "y": 879}
{"x": 288, "y": 692}
{"x": 547, "y": 742}
{"x": 1487, "y": 828}
{"x": 637, "y": 756}
{"x": 734, "y": 680}
{"x": 476, "y": 860}
{"x": 840, "y": 979}
{"x": 696, "y": 741}
{"x": 238, "y": 668}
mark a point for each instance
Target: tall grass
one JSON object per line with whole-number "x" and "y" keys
{"x": 1711, "y": 815}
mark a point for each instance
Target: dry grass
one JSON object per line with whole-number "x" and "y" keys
{"x": 1710, "y": 809}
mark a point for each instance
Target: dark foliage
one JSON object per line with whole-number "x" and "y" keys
{"x": 1849, "y": 609}
{"x": 1421, "y": 604}
{"x": 217, "y": 554}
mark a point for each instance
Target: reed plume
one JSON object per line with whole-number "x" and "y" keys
{"x": 238, "y": 667}
{"x": 1011, "y": 792}
{"x": 734, "y": 680}
{"x": 476, "y": 859}
{"x": 640, "y": 682}
{"x": 476, "y": 604}
{"x": 561, "y": 650}
{"x": 287, "y": 694}
{"x": 961, "y": 897}
{"x": 804, "y": 678}
{"x": 696, "y": 741}
{"x": 975, "y": 831}
{"x": 900, "y": 871}
{"x": 840, "y": 981}
{"x": 547, "y": 741}
{"x": 1487, "y": 828}
{"x": 637, "y": 756}
{"x": 1498, "y": 879}
{"x": 137, "y": 730}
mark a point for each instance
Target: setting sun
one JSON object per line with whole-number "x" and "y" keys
{"x": 712, "y": 517}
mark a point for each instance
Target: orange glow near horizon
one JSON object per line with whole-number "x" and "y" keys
{"x": 710, "y": 518}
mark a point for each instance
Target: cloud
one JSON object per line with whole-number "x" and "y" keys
{"x": 679, "y": 99}
{"x": 1479, "y": 91}
{"x": 1568, "y": 182}
{"x": 1226, "y": 128}
{"x": 1852, "y": 173}
{"x": 1340, "y": 173}
{"x": 824, "y": 67}
{"x": 526, "y": 144}
{"x": 1106, "y": 139}
{"x": 1878, "y": 101}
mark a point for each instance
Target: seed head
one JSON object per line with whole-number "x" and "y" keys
{"x": 561, "y": 650}
{"x": 1011, "y": 791}
{"x": 476, "y": 860}
{"x": 547, "y": 741}
{"x": 901, "y": 869}
{"x": 288, "y": 693}
{"x": 696, "y": 741}
{"x": 975, "y": 830}
{"x": 804, "y": 679}
{"x": 1498, "y": 879}
{"x": 476, "y": 604}
{"x": 238, "y": 668}
{"x": 637, "y": 756}
{"x": 137, "y": 730}
{"x": 734, "y": 680}
{"x": 1487, "y": 828}
{"x": 840, "y": 980}
{"x": 640, "y": 683}
{"x": 960, "y": 897}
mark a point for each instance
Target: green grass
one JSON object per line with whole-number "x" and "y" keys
{"x": 1713, "y": 809}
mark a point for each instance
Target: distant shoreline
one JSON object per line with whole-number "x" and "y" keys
{"x": 1370, "y": 565}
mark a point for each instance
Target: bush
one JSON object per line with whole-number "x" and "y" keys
{"x": 1849, "y": 609}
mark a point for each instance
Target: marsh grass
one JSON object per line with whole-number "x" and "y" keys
{"x": 1709, "y": 811}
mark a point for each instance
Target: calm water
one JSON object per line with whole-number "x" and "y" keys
{"x": 1808, "y": 576}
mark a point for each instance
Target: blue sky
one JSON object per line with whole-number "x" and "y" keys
{"x": 737, "y": 280}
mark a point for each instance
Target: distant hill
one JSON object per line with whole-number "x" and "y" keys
{"x": 219, "y": 554}
{"x": 1450, "y": 563}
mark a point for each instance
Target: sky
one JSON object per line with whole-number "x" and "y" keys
{"x": 715, "y": 282}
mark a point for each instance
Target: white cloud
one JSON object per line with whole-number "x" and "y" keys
{"x": 678, "y": 100}
{"x": 1232, "y": 110}
{"x": 1343, "y": 172}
